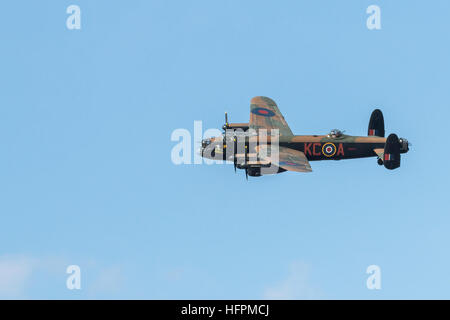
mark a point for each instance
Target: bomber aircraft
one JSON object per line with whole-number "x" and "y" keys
{"x": 266, "y": 145}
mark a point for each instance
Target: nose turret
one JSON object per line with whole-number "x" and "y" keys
{"x": 205, "y": 143}
{"x": 210, "y": 146}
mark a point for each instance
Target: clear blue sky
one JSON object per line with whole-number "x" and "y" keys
{"x": 86, "y": 176}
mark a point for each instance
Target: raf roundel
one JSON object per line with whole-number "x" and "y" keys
{"x": 263, "y": 112}
{"x": 329, "y": 149}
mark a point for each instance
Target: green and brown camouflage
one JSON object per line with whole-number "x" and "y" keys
{"x": 267, "y": 140}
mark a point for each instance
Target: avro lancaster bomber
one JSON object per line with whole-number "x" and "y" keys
{"x": 266, "y": 145}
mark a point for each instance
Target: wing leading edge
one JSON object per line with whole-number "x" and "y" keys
{"x": 287, "y": 158}
{"x": 264, "y": 114}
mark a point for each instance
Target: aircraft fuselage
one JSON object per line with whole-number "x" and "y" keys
{"x": 322, "y": 147}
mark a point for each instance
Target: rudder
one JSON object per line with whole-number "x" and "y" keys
{"x": 376, "y": 124}
{"x": 391, "y": 157}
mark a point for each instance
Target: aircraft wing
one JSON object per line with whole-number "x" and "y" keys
{"x": 264, "y": 114}
{"x": 287, "y": 158}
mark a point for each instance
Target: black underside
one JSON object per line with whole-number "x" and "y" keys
{"x": 344, "y": 150}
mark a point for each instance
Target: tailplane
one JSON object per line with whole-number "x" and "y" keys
{"x": 391, "y": 157}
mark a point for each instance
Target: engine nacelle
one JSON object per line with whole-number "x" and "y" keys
{"x": 254, "y": 171}
{"x": 257, "y": 172}
{"x": 235, "y": 126}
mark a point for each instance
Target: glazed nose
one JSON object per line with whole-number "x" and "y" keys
{"x": 205, "y": 143}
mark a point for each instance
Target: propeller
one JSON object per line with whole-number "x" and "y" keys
{"x": 234, "y": 153}
{"x": 226, "y": 125}
{"x": 224, "y": 148}
{"x": 245, "y": 160}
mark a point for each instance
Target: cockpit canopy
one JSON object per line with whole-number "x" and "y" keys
{"x": 335, "y": 133}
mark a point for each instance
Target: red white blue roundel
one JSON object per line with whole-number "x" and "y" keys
{"x": 328, "y": 149}
{"x": 263, "y": 112}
